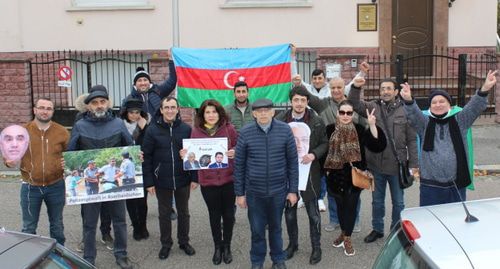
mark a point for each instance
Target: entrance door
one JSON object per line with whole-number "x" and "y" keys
{"x": 412, "y": 34}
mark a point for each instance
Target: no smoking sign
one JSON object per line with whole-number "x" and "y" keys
{"x": 64, "y": 74}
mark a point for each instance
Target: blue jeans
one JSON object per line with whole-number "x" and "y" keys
{"x": 378, "y": 200}
{"x": 262, "y": 211}
{"x": 431, "y": 195}
{"x": 91, "y": 214}
{"x": 31, "y": 202}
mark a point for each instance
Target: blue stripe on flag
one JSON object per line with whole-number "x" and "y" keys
{"x": 231, "y": 58}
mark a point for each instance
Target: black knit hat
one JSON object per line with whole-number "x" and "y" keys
{"x": 133, "y": 104}
{"x": 141, "y": 73}
{"x": 96, "y": 91}
{"x": 441, "y": 92}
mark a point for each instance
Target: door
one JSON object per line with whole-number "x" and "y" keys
{"x": 412, "y": 34}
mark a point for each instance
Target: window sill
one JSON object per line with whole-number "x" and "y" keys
{"x": 106, "y": 8}
{"x": 266, "y": 4}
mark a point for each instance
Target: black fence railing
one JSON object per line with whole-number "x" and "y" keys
{"x": 113, "y": 69}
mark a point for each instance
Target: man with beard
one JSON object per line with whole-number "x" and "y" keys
{"x": 41, "y": 171}
{"x": 99, "y": 128}
{"x": 240, "y": 111}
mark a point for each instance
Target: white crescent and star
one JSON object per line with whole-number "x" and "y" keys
{"x": 226, "y": 77}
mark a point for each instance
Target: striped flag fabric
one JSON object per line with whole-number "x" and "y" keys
{"x": 211, "y": 73}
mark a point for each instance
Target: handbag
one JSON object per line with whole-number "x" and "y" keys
{"x": 404, "y": 177}
{"x": 362, "y": 179}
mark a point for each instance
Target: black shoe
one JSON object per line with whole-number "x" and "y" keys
{"x": 124, "y": 263}
{"x": 188, "y": 249}
{"x": 315, "y": 256}
{"x": 217, "y": 258}
{"x": 278, "y": 266}
{"x": 374, "y": 235}
{"x": 164, "y": 252}
{"x": 227, "y": 256}
{"x": 144, "y": 233}
{"x": 290, "y": 251}
{"x": 173, "y": 215}
{"x": 137, "y": 234}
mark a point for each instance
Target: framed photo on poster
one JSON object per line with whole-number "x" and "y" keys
{"x": 367, "y": 17}
{"x": 100, "y": 175}
{"x": 205, "y": 153}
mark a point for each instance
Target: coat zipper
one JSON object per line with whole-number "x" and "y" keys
{"x": 172, "y": 152}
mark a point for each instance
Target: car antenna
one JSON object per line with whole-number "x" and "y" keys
{"x": 469, "y": 217}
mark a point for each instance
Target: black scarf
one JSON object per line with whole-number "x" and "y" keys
{"x": 463, "y": 176}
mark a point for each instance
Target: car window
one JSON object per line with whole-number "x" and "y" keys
{"x": 61, "y": 258}
{"x": 398, "y": 252}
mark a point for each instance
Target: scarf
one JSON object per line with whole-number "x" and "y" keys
{"x": 344, "y": 146}
{"x": 211, "y": 129}
{"x": 131, "y": 126}
{"x": 463, "y": 178}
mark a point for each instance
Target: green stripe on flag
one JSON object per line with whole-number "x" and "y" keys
{"x": 189, "y": 97}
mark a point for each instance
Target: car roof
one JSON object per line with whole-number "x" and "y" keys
{"x": 450, "y": 242}
{"x": 20, "y": 250}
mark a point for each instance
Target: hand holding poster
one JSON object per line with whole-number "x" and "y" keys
{"x": 205, "y": 153}
{"x": 101, "y": 175}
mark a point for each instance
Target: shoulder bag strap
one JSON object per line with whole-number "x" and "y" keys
{"x": 389, "y": 135}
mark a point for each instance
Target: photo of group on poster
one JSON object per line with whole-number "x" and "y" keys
{"x": 205, "y": 153}
{"x": 103, "y": 175}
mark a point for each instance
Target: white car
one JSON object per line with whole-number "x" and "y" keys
{"x": 439, "y": 237}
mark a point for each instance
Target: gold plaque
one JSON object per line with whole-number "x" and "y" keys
{"x": 367, "y": 17}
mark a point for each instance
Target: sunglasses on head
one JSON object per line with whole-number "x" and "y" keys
{"x": 348, "y": 113}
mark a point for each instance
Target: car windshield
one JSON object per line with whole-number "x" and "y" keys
{"x": 398, "y": 252}
{"x": 61, "y": 258}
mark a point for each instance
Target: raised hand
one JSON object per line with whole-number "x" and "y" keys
{"x": 359, "y": 81}
{"x": 372, "y": 120}
{"x": 490, "y": 81}
{"x": 405, "y": 91}
{"x": 364, "y": 67}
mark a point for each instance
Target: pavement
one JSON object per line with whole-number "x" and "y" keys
{"x": 144, "y": 253}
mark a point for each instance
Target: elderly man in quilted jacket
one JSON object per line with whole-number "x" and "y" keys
{"x": 266, "y": 178}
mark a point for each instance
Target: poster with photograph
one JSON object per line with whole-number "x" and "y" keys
{"x": 302, "y": 134}
{"x": 100, "y": 175}
{"x": 205, "y": 153}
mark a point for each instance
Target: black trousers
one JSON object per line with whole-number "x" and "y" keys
{"x": 347, "y": 201}
{"x": 314, "y": 223}
{"x": 220, "y": 203}
{"x": 138, "y": 211}
{"x": 105, "y": 216}
{"x": 164, "y": 197}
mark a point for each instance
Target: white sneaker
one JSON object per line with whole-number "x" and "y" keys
{"x": 300, "y": 204}
{"x": 322, "y": 206}
{"x": 330, "y": 227}
{"x": 357, "y": 228}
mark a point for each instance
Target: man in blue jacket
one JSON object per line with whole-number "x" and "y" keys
{"x": 99, "y": 128}
{"x": 268, "y": 145}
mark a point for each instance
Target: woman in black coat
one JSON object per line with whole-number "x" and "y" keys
{"x": 347, "y": 147}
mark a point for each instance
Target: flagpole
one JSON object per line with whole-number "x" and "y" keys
{"x": 175, "y": 23}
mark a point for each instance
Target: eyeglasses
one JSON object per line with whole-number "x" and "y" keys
{"x": 169, "y": 108}
{"x": 44, "y": 108}
{"x": 343, "y": 113}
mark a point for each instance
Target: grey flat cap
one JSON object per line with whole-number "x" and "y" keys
{"x": 262, "y": 103}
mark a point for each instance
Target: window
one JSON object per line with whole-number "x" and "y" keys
{"x": 265, "y": 3}
{"x": 110, "y": 4}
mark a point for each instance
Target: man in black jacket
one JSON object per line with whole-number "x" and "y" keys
{"x": 99, "y": 128}
{"x": 318, "y": 147}
{"x": 164, "y": 175}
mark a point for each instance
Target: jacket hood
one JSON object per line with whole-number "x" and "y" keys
{"x": 80, "y": 104}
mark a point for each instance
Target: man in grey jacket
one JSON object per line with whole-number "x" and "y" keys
{"x": 384, "y": 165}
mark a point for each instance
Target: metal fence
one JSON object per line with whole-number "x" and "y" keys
{"x": 113, "y": 69}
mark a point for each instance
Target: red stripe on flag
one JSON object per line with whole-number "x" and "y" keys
{"x": 224, "y": 79}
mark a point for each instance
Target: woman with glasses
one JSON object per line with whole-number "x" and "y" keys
{"x": 346, "y": 149}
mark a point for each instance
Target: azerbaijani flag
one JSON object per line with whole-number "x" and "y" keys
{"x": 211, "y": 73}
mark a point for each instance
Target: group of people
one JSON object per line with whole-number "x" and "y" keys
{"x": 264, "y": 154}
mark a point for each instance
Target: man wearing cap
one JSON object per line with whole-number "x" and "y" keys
{"x": 240, "y": 111}
{"x": 269, "y": 145}
{"x": 99, "y": 128}
{"x": 444, "y": 169}
{"x": 150, "y": 93}
{"x": 42, "y": 176}
{"x": 391, "y": 118}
